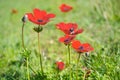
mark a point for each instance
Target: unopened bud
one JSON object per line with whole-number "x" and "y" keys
{"x": 87, "y": 54}
{"x": 24, "y": 19}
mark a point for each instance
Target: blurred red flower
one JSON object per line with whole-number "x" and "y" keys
{"x": 69, "y": 28}
{"x": 80, "y": 48}
{"x": 14, "y": 11}
{"x": 67, "y": 39}
{"x": 40, "y": 17}
{"x": 60, "y": 65}
{"x": 65, "y": 8}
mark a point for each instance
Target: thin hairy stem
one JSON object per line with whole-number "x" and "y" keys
{"x": 28, "y": 75}
{"x": 40, "y": 53}
{"x": 77, "y": 66}
{"x": 23, "y": 36}
{"x": 69, "y": 54}
{"x": 69, "y": 59}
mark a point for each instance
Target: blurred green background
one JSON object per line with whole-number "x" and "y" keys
{"x": 100, "y": 20}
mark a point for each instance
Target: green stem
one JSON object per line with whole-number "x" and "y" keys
{"x": 77, "y": 66}
{"x": 40, "y": 53}
{"x": 69, "y": 59}
{"x": 66, "y": 56}
{"x": 28, "y": 75}
{"x": 69, "y": 54}
{"x": 23, "y": 36}
{"x": 70, "y": 73}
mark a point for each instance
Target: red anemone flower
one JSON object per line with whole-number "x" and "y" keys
{"x": 60, "y": 65}
{"x": 69, "y": 28}
{"x": 67, "y": 39}
{"x": 80, "y": 48}
{"x": 40, "y": 17}
{"x": 65, "y": 8}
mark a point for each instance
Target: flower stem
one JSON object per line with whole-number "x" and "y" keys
{"x": 77, "y": 66}
{"x": 69, "y": 59}
{"x": 69, "y": 54}
{"x": 66, "y": 56}
{"x": 28, "y": 75}
{"x": 23, "y": 36}
{"x": 40, "y": 53}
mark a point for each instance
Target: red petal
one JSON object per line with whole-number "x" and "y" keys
{"x": 66, "y": 39}
{"x": 61, "y": 26}
{"x": 61, "y": 39}
{"x": 72, "y": 25}
{"x": 43, "y": 13}
{"x": 50, "y": 15}
{"x": 65, "y": 8}
{"x": 38, "y": 13}
{"x": 62, "y": 5}
{"x": 87, "y": 47}
{"x": 76, "y": 44}
{"x": 78, "y": 31}
{"x": 31, "y": 17}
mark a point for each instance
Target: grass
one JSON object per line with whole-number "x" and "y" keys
{"x": 100, "y": 22}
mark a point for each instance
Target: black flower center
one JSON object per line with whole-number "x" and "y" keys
{"x": 39, "y": 20}
{"x": 66, "y": 40}
{"x": 71, "y": 29}
{"x": 81, "y": 48}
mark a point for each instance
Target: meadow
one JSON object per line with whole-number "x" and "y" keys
{"x": 100, "y": 20}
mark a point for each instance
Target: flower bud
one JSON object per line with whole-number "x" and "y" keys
{"x": 87, "y": 54}
{"x": 60, "y": 65}
{"x": 24, "y": 19}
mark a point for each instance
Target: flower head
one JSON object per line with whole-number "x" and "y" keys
{"x": 65, "y": 8}
{"x": 40, "y": 17}
{"x": 60, "y": 65}
{"x": 67, "y": 39}
{"x": 81, "y": 48}
{"x": 69, "y": 28}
